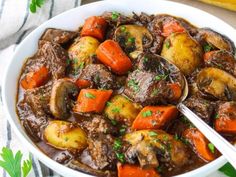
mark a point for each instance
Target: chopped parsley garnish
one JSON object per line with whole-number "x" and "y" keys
{"x": 176, "y": 137}
{"x": 165, "y": 138}
{"x": 120, "y": 157}
{"x": 145, "y": 59}
{"x": 117, "y": 144}
{"x": 211, "y": 147}
{"x": 123, "y": 28}
{"x": 167, "y": 44}
{"x": 108, "y": 103}
{"x": 132, "y": 83}
{"x": 81, "y": 65}
{"x": 152, "y": 133}
{"x": 116, "y": 110}
{"x": 115, "y": 15}
{"x": 218, "y": 64}
{"x": 207, "y": 48}
{"x": 66, "y": 138}
{"x": 75, "y": 61}
{"x": 67, "y": 62}
{"x": 90, "y": 95}
{"x": 217, "y": 116}
{"x": 155, "y": 92}
{"x": 161, "y": 77}
{"x": 113, "y": 122}
{"x": 184, "y": 140}
{"x": 147, "y": 113}
{"x": 97, "y": 78}
{"x": 131, "y": 39}
{"x": 122, "y": 129}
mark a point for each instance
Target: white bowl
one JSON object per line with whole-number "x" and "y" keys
{"x": 71, "y": 20}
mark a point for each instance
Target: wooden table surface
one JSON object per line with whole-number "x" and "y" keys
{"x": 226, "y": 15}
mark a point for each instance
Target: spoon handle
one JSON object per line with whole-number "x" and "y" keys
{"x": 227, "y": 149}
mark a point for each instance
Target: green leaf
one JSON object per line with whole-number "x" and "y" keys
{"x": 211, "y": 147}
{"x": 152, "y": 133}
{"x": 10, "y": 163}
{"x": 147, "y": 113}
{"x": 120, "y": 157}
{"x": 207, "y": 48}
{"x": 115, "y": 15}
{"x": 167, "y": 44}
{"x": 33, "y": 8}
{"x": 27, "y": 165}
{"x": 117, "y": 144}
{"x": 90, "y": 95}
{"x": 39, "y": 3}
{"x": 228, "y": 170}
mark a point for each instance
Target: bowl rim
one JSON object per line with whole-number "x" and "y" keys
{"x": 62, "y": 169}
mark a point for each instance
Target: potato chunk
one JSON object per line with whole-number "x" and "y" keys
{"x": 82, "y": 50}
{"x": 65, "y": 135}
{"x": 122, "y": 109}
{"x": 182, "y": 50}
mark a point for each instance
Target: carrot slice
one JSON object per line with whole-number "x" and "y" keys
{"x": 176, "y": 90}
{"x": 200, "y": 143}
{"x": 225, "y": 120}
{"x": 154, "y": 117}
{"x": 111, "y": 54}
{"x": 92, "y": 100}
{"x": 35, "y": 79}
{"x": 171, "y": 27}
{"x": 94, "y": 26}
{"x": 82, "y": 83}
{"x": 127, "y": 170}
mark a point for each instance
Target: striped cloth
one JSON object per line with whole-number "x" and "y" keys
{"x": 16, "y": 22}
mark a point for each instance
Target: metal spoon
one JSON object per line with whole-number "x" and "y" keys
{"x": 227, "y": 149}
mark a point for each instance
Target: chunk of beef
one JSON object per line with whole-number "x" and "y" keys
{"x": 58, "y": 36}
{"x": 50, "y": 55}
{"x": 142, "y": 87}
{"x": 223, "y": 60}
{"x": 34, "y": 111}
{"x": 203, "y": 108}
{"x": 143, "y": 18}
{"x": 96, "y": 124}
{"x": 120, "y": 20}
{"x": 149, "y": 83}
{"x": 77, "y": 165}
{"x": 101, "y": 151}
{"x": 99, "y": 76}
{"x": 55, "y": 56}
{"x": 114, "y": 22}
{"x": 100, "y": 139}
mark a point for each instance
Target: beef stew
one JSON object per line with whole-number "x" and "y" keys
{"x": 101, "y": 99}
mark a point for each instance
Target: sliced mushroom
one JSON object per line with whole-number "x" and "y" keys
{"x": 217, "y": 84}
{"x": 222, "y": 59}
{"x": 150, "y": 143}
{"x": 217, "y": 40}
{"x": 133, "y": 39}
{"x": 60, "y": 98}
